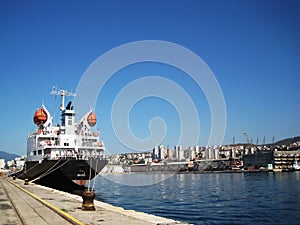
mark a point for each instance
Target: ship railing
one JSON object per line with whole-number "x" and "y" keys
{"x": 75, "y": 157}
{"x": 94, "y": 134}
{"x": 46, "y": 132}
{"x": 83, "y": 133}
{"x": 97, "y": 144}
{"x": 47, "y": 143}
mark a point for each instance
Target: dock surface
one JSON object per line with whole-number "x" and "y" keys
{"x": 18, "y": 207}
{"x": 35, "y": 204}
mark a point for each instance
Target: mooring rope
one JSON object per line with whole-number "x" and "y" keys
{"x": 91, "y": 164}
{"x": 25, "y": 171}
{"x": 50, "y": 170}
{"x": 95, "y": 174}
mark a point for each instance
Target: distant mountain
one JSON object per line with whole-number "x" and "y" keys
{"x": 7, "y": 156}
{"x": 287, "y": 141}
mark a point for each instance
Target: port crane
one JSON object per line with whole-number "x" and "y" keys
{"x": 247, "y": 137}
{"x": 249, "y": 143}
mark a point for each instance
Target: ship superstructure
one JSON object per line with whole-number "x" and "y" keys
{"x": 70, "y": 151}
{"x": 65, "y": 140}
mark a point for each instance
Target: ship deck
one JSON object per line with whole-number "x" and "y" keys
{"x": 35, "y": 204}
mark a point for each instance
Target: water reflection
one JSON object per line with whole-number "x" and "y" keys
{"x": 137, "y": 179}
{"x": 233, "y": 198}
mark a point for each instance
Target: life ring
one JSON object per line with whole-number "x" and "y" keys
{"x": 48, "y": 142}
{"x": 56, "y": 132}
{"x": 100, "y": 144}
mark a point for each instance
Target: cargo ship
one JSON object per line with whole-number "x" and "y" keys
{"x": 63, "y": 156}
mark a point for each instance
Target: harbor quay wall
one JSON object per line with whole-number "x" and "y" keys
{"x": 192, "y": 166}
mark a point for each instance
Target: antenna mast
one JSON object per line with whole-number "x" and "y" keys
{"x": 62, "y": 93}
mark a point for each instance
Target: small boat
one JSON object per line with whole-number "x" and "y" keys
{"x": 64, "y": 156}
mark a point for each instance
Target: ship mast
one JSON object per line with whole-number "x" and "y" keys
{"x": 62, "y": 93}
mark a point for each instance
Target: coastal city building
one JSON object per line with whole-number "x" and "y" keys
{"x": 179, "y": 153}
{"x": 162, "y": 153}
{"x": 213, "y": 158}
{"x": 2, "y": 163}
{"x": 155, "y": 153}
{"x": 20, "y": 162}
{"x": 287, "y": 160}
{"x": 170, "y": 154}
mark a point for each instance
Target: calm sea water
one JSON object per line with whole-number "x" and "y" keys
{"x": 213, "y": 198}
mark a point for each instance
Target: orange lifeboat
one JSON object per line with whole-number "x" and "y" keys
{"x": 92, "y": 119}
{"x": 40, "y": 117}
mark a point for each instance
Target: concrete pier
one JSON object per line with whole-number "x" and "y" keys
{"x": 35, "y": 204}
{"x": 18, "y": 207}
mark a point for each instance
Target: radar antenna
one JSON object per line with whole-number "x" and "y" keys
{"x": 62, "y": 93}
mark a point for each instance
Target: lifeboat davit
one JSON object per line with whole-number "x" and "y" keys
{"x": 92, "y": 119}
{"x": 40, "y": 117}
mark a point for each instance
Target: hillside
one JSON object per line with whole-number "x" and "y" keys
{"x": 287, "y": 141}
{"x": 7, "y": 156}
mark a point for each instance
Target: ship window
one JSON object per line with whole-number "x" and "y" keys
{"x": 66, "y": 144}
{"x": 47, "y": 151}
{"x": 39, "y": 152}
{"x": 34, "y": 152}
{"x": 70, "y": 120}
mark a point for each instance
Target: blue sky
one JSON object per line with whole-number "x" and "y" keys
{"x": 252, "y": 47}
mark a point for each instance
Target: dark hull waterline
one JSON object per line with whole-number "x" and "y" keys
{"x": 62, "y": 174}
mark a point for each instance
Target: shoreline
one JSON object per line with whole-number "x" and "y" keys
{"x": 144, "y": 169}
